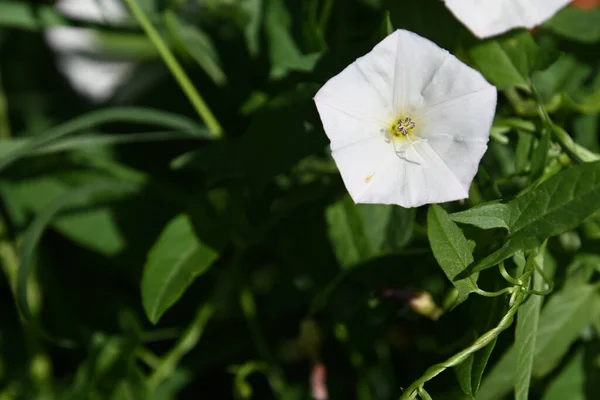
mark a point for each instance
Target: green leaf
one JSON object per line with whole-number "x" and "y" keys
{"x": 346, "y": 233}
{"x": 509, "y": 61}
{"x": 280, "y": 135}
{"x": 470, "y": 371}
{"x": 451, "y": 249}
{"x": 581, "y": 269}
{"x": 388, "y": 228}
{"x": 479, "y": 364}
{"x": 16, "y": 14}
{"x": 254, "y": 9}
{"x": 91, "y": 224}
{"x": 561, "y": 322}
{"x": 197, "y": 44}
{"x": 576, "y": 24}
{"x": 571, "y": 381}
{"x": 486, "y": 216}
{"x": 33, "y": 234}
{"x": 138, "y": 115}
{"x": 174, "y": 262}
{"x": 566, "y": 75}
{"x": 86, "y": 141}
{"x": 558, "y": 205}
{"x": 525, "y": 338}
{"x": 584, "y": 131}
{"x": 500, "y": 379}
{"x": 524, "y": 145}
{"x": 539, "y": 157}
{"x": 361, "y": 232}
{"x": 444, "y": 31}
{"x": 283, "y": 51}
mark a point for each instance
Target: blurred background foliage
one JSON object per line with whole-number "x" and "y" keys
{"x": 143, "y": 258}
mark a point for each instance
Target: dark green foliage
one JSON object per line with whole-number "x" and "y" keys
{"x": 149, "y": 252}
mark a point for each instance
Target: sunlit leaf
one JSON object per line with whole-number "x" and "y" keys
{"x": 556, "y": 206}
{"x": 174, "y": 262}
{"x": 451, "y": 249}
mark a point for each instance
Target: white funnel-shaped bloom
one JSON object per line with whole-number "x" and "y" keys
{"x": 487, "y": 18}
{"x": 81, "y": 58}
{"x": 408, "y": 123}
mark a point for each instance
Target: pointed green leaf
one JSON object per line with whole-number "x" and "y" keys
{"x": 576, "y": 24}
{"x": 570, "y": 383}
{"x": 561, "y": 322}
{"x": 359, "y": 232}
{"x": 463, "y": 376}
{"x": 525, "y": 339}
{"x": 176, "y": 259}
{"x": 451, "y": 249}
{"x": 197, "y": 44}
{"x": 485, "y": 216}
{"x": 470, "y": 371}
{"x": 539, "y": 158}
{"x": 509, "y": 61}
{"x": 558, "y": 205}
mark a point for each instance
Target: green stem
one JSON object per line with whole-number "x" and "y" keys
{"x": 507, "y": 276}
{"x": 188, "y": 340}
{"x": 4, "y": 120}
{"x": 577, "y": 153}
{"x": 480, "y": 343}
{"x": 494, "y": 294}
{"x": 325, "y": 13}
{"x": 424, "y": 395}
{"x": 178, "y": 73}
{"x": 273, "y": 373}
{"x": 148, "y": 357}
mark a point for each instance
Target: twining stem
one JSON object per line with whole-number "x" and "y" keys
{"x": 507, "y": 276}
{"x": 424, "y": 395}
{"x": 517, "y": 299}
{"x": 494, "y": 294}
{"x": 519, "y": 293}
{"x": 178, "y": 73}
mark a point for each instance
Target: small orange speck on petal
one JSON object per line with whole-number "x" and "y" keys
{"x": 368, "y": 178}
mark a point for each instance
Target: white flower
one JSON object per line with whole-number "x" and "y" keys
{"x": 487, "y": 18}
{"x": 408, "y": 123}
{"x": 80, "y": 55}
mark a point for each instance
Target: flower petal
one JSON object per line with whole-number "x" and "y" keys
{"x": 408, "y": 77}
{"x": 360, "y": 163}
{"x": 458, "y": 131}
{"x": 424, "y": 179}
{"x": 357, "y": 102}
{"x": 416, "y": 63}
{"x": 345, "y": 128}
{"x": 487, "y": 18}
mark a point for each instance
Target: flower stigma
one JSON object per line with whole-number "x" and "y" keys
{"x": 401, "y": 134}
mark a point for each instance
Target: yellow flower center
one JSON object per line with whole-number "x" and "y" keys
{"x": 404, "y": 126}
{"x": 401, "y": 128}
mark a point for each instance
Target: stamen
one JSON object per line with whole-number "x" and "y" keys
{"x": 403, "y": 126}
